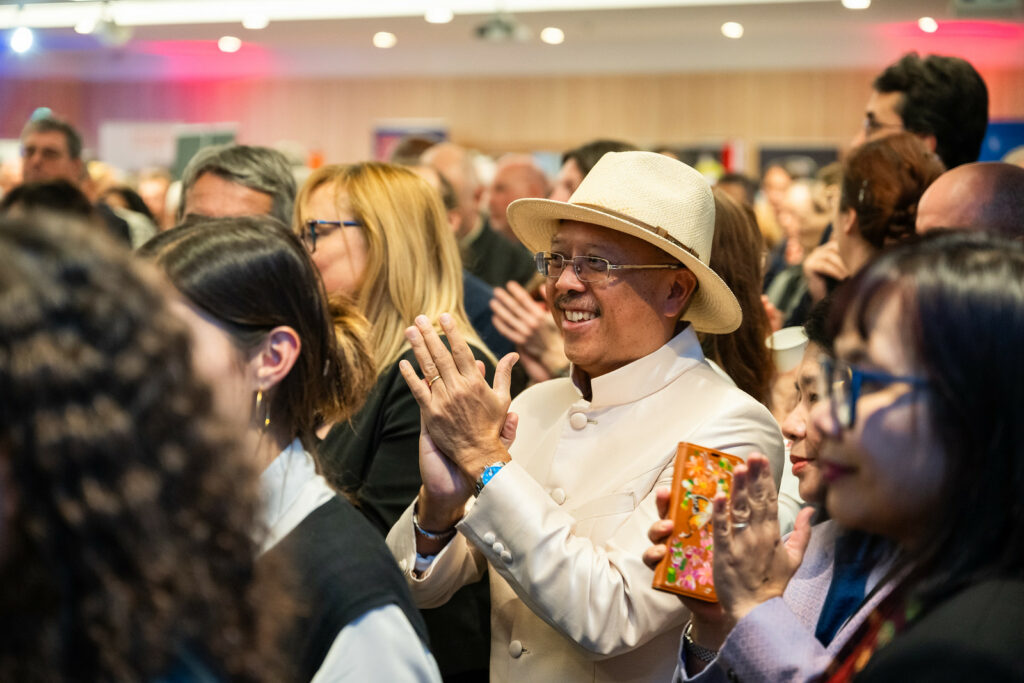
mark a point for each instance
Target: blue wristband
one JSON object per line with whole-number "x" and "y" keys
{"x": 487, "y": 475}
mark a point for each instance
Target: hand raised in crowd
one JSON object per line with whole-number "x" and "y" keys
{"x": 464, "y": 419}
{"x": 775, "y": 318}
{"x": 527, "y": 323}
{"x": 823, "y": 262}
{"x": 710, "y": 622}
{"x": 751, "y": 564}
{"x": 794, "y": 253}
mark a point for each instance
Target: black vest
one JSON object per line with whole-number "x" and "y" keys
{"x": 341, "y": 570}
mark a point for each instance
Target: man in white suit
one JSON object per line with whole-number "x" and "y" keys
{"x": 561, "y": 517}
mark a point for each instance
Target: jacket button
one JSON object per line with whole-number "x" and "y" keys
{"x": 515, "y": 648}
{"x": 506, "y": 557}
{"x": 498, "y": 548}
{"x": 578, "y": 420}
{"x": 558, "y": 495}
{"x": 489, "y": 538}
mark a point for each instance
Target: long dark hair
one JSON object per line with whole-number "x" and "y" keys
{"x": 251, "y": 274}
{"x": 736, "y": 255}
{"x": 962, "y": 297}
{"x": 128, "y": 529}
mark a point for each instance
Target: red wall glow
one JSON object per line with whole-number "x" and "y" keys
{"x": 185, "y": 59}
{"x": 979, "y": 42}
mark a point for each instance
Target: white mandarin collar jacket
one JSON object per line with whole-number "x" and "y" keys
{"x": 563, "y": 526}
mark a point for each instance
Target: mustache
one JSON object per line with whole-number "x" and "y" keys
{"x": 569, "y": 299}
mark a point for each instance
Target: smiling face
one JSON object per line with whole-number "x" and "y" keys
{"x": 884, "y": 473}
{"x": 608, "y": 324}
{"x": 341, "y": 251}
{"x": 801, "y": 431}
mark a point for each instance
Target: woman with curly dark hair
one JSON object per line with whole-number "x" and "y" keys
{"x": 127, "y": 526}
{"x": 282, "y": 365}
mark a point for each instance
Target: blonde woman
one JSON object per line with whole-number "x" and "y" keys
{"x": 379, "y": 235}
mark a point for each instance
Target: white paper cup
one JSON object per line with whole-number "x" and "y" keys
{"x": 787, "y": 347}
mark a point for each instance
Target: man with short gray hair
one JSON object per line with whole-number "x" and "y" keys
{"x": 238, "y": 180}
{"x": 51, "y": 149}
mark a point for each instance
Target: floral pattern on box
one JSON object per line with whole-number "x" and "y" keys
{"x": 700, "y": 475}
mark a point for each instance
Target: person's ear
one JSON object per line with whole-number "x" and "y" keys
{"x": 681, "y": 289}
{"x": 275, "y": 357}
{"x": 847, "y": 219}
{"x": 929, "y": 141}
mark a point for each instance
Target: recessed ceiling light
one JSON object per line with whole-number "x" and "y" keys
{"x": 732, "y": 29}
{"x": 22, "y": 39}
{"x": 438, "y": 15}
{"x": 553, "y": 36}
{"x": 255, "y": 22}
{"x": 384, "y": 40}
{"x": 86, "y": 26}
{"x": 229, "y": 44}
{"x": 928, "y": 25}
{"x": 856, "y": 4}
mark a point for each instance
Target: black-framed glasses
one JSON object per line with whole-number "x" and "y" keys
{"x": 316, "y": 229}
{"x": 844, "y": 384}
{"x": 592, "y": 269}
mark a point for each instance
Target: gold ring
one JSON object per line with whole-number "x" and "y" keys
{"x": 430, "y": 382}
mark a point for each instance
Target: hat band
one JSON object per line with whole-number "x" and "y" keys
{"x": 659, "y": 231}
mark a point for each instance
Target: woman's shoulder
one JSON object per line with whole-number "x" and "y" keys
{"x": 974, "y": 634}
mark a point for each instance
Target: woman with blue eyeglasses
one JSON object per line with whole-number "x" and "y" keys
{"x": 921, "y": 446}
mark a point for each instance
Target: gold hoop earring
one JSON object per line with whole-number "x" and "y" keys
{"x": 259, "y": 404}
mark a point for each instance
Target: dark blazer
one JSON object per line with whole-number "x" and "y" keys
{"x": 375, "y": 459}
{"x": 975, "y": 635}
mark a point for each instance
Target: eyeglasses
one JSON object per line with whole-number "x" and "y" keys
{"x": 317, "y": 228}
{"x": 872, "y": 125}
{"x": 592, "y": 269}
{"x": 844, "y": 384}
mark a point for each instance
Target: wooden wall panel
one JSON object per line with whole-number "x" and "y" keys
{"x": 336, "y": 116}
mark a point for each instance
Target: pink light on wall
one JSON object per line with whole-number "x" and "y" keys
{"x": 979, "y": 42}
{"x": 181, "y": 60}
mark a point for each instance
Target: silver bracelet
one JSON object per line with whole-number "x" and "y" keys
{"x": 704, "y": 654}
{"x": 439, "y": 536}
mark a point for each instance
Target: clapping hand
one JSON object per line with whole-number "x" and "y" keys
{"x": 463, "y": 416}
{"x": 751, "y": 563}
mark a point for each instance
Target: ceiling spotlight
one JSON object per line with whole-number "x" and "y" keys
{"x": 856, "y": 4}
{"x": 438, "y": 15}
{"x": 255, "y": 22}
{"x": 86, "y": 26}
{"x": 928, "y": 25}
{"x": 22, "y": 39}
{"x": 229, "y": 44}
{"x": 732, "y": 29}
{"x": 384, "y": 40}
{"x": 552, "y": 35}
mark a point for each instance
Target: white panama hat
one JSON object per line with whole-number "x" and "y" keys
{"x": 655, "y": 198}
